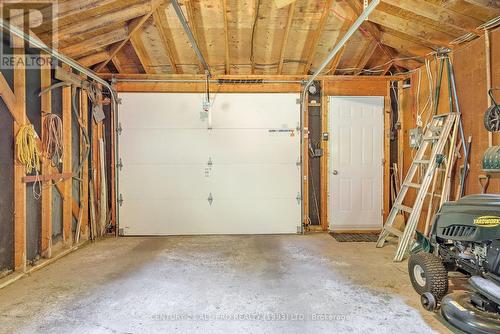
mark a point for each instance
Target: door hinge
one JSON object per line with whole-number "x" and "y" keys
{"x": 119, "y": 129}
{"x": 120, "y": 164}
{"x": 299, "y": 198}
{"x": 210, "y": 163}
{"x": 120, "y": 200}
{"x": 210, "y": 199}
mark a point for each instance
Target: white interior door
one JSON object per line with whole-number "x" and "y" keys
{"x": 246, "y": 164}
{"x": 356, "y": 163}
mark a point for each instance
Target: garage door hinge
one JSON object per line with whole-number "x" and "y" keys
{"x": 299, "y": 198}
{"x": 119, "y": 129}
{"x": 210, "y": 199}
{"x": 120, "y": 200}
{"x": 120, "y": 164}
{"x": 210, "y": 163}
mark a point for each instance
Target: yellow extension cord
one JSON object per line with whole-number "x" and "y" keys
{"x": 28, "y": 153}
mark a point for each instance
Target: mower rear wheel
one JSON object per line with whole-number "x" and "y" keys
{"x": 428, "y": 275}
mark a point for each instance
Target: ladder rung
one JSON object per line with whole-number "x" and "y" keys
{"x": 422, "y": 161}
{"x": 413, "y": 185}
{"x": 403, "y": 208}
{"x": 431, "y": 138}
{"x": 394, "y": 231}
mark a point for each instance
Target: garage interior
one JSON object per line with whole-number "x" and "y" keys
{"x": 299, "y": 166}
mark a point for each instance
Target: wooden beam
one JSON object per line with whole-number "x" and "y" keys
{"x": 291, "y": 12}
{"x": 412, "y": 28}
{"x": 67, "y": 166}
{"x": 117, "y": 64}
{"x": 19, "y": 169}
{"x": 305, "y": 165}
{"x": 317, "y": 35}
{"x": 438, "y": 14}
{"x": 101, "y": 21}
{"x": 226, "y": 38}
{"x": 94, "y": 58}
{"x": 46, "y": 105}
{"x": 387, "y": 150}
{"x": 133, "y": 27}
{"x": 161, "y": 23}
{"x": 142, "y": 54}
{"x": 7, "y": 94}
{"x": 335, "y": 62}
{"x": 97, "y": 42}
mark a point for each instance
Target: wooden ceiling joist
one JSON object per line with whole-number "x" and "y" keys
{"x": 133, "y": 27}
{"x": 487, "y": 4}
{"x": 404, "y": 46}
{"x": 317, "y": 35}
{"x": 192, "y": 26}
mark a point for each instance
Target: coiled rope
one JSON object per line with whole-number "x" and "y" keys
{"x": 28, "y": 154}
{"x": 53, "y": 140}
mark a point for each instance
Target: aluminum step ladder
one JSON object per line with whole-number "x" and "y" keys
{"x": 434, "y": 139}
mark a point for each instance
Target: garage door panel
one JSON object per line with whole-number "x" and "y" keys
{"x": 254, "y": 111}
{"x": 161, "y": 146}
{"x": 152, "y": 110}
{"x": 255, "y": 181}
{"x": 253, "y": 147}
{"x": 165, "y": 217}
{"x": 180, "y": 178}
{"x": 165, "y": 182}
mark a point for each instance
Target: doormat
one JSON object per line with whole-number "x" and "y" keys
{"x": 355, "y": 237}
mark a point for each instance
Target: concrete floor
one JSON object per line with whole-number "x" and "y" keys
{"x": 202, "y": 284}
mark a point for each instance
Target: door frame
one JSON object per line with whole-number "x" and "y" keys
{"x": 325, "y": 162}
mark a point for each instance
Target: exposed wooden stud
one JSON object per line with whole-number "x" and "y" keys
{"x": 133, "y": 27}
{"x": 84, "y": 112}
{"x": 317, "y": 35}
{"x": 305, "y": 165}
{"x": 291, "y": 12}
{"x": 160, "y": 20}
{"x": 387, "y": 150}
{"x": 7, "y": 94}
{"x": 46, "y": 106}
{"x": 324, "y": 162}
{"x": 226, "y": 39}
{"x": 19, "y": 169}
{"x": 67, "y": 166}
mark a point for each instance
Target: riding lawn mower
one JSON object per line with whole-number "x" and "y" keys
{"x": 465, "y": 237}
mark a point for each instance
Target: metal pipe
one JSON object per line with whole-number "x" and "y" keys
{"x": 303, "y": 105}
{"x": 190, "y": 35}
{"x": 35, "y": 42}
{"x": 201, "y": 80}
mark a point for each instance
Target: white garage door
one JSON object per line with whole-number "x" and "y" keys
{"x": 179, "y": 177}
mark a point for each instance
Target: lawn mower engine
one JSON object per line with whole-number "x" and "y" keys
{"x": 465, "y": 237}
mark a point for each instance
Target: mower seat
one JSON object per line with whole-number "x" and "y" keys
{"x": 486, "y": 287}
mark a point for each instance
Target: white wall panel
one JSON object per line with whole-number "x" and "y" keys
{"x": 166, "y": 180}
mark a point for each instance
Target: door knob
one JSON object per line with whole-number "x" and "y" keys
{"x": 335, "y": 172}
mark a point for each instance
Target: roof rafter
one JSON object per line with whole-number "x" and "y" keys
{"x": 317, "y": 34}
{"x": 226, "y": 38}
{"x": 487, "y": 4}
{"x": 291, "y": 12}
{"x": 190, "y": 18}
{"x": 96, "y": 42}
{"x": 133, "y": 27}
{"x": 142, "y": 54}
{"x": 161, "y": 23}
